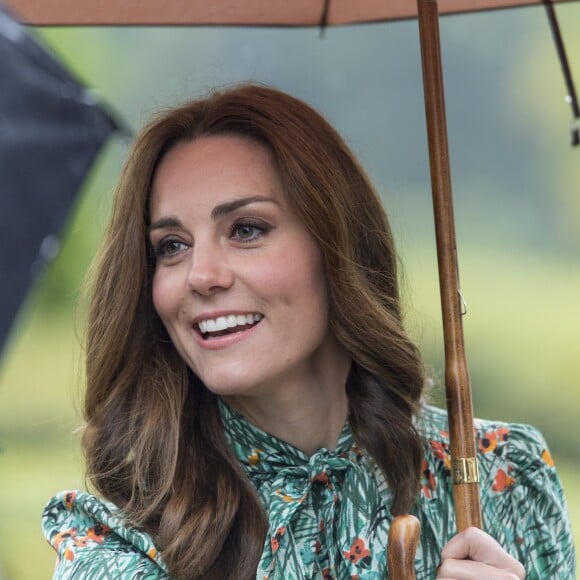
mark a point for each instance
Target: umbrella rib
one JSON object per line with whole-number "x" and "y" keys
{"x": 572, "y": 97}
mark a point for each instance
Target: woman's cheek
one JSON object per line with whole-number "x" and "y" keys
{"x": 161, "y": 295}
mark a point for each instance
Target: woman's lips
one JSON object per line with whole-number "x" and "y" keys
{"x": 224, "y": 337}
{"x": 224, "y": 323}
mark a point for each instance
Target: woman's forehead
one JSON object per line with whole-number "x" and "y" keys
{"x": 213, "y": 170}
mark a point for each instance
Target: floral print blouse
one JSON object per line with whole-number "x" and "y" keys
{"x": 329, "y": 513}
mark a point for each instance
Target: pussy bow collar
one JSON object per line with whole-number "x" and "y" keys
{"x": 321, "y": 509}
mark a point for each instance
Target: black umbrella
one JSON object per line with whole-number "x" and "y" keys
{"x": 51, "y": 129}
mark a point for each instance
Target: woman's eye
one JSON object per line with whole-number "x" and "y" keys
{"x": 247, "y": 232}
{"x": 169, "y": 248}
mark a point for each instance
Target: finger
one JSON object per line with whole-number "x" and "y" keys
{"x": 473, "y": 544}
{"x": 470, "y": 570}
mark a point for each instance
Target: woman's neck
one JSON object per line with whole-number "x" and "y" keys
{"x": 309, "y": 416}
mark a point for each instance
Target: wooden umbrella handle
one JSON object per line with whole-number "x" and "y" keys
{"x": 403, "y": 539}
{"x": 458, "y": 390}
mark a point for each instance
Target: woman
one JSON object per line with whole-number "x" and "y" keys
{"x": 253, "y": 405}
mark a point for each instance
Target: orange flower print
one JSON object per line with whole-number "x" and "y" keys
{"x": 81, "y": 541}
{"x": 69, "y": 555}
{"x": 321, "y": 477}
{"x": 547, "y": 458}
{"x": 98, "y": 533}
{"x": 358, "y": 551}
{"x": 502, "y": 481}
{"x": 275, "y": 541}
{"x": 428, "y": 481}
{"x": 69, "y": 499}
{"x": 94, "y": 534}
{"x": 287, "y": 497}
{"x": 490, "y": 440}
{"x": 441, "y": 451}
{"x": 502, "y": 434}
{"x": 62, "y": 536}
{"x": 487, "y": 443}
{"x": 254, "y": 458}
{"x": 359, "y": 453}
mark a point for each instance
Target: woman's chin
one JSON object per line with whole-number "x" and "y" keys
{"x": 227, "y": 386}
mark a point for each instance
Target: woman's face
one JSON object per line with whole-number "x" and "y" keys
{"x": 239, "y": 282}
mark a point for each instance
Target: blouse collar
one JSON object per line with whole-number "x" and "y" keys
{"x": 252, "y": 445}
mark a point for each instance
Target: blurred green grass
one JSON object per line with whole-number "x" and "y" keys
{"x": 521, "y": 331}
{"x": 39, "y": 453}
{"x": 41, "y": 379}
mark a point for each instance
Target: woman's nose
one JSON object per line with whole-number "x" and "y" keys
{"x": 209, "y": 272}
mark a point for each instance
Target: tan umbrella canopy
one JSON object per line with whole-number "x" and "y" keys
{"x": 341, "y": 12}
{"x": 235, "y": 12}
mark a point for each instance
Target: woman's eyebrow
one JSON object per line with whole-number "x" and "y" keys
{"x": 230, "y": 206}
{"x": 218, "y": 211}
{"x": 164, "y": 222}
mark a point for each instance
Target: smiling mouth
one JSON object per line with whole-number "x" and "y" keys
{"x": 223, "y": 325}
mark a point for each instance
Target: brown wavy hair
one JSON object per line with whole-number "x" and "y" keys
{"x": 154, "y": 441}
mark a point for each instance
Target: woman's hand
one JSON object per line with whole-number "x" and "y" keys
{"x": 473, "y": 554}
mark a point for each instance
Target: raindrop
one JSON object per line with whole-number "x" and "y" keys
{"x": 10, "y": 30}
{"x": 49, "y": 247}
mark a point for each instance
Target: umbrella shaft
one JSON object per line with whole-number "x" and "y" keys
{"x": 458, "y": 391}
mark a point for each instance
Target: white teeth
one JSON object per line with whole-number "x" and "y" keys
{"x": 230, "y": 321}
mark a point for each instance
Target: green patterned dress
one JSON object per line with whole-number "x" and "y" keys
{"x": 329, "y": 513}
